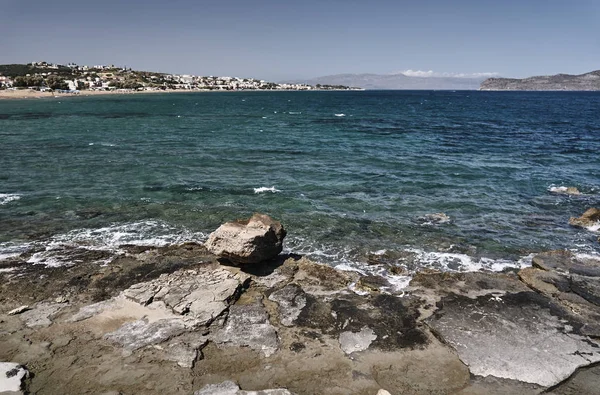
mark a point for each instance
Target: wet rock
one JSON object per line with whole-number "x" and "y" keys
{"x": 545, "y": 282}
{"x": 12, "y": 376}
{"x": 231, "y": 388}
{"x": 352, "y": 342}
{"x": 510, "y": 336}
{"x": 315, "y": 276}
{"x": 393, "y": 258}
{"x": 373, "y": 283}
{"x": 248, "y": 326}
{"x": 575, "y": 293}
{"x": 589, "y": 220}
{"x": 565, "y": 190}
{"x": 250, "y": 241}
{"x": 586, "y": 287}
{"x": 564, "y": 261}
{"x": 291, "y": 300}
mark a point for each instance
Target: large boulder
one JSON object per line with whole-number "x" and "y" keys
{"x": 247, "y": 241}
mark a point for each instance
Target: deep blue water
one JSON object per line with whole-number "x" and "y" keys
{"x": 161, "y": 168}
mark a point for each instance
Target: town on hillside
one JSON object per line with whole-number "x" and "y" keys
{"x": 73, "y": 78}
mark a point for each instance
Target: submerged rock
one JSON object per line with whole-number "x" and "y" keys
{"x": 589, "y": 220}
{"x": 565, "y": 190}
{"x": 434, "y": 219}
{"x": 248, "y": 241}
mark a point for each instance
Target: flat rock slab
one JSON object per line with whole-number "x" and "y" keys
{"x": 248, "y": 326}
{"x": 519, "y": 336}
{"x": 137, "y": 334}
{"x": 156, "y": 311}
{"x": 231, "y": 388}
{"x": 41, "y": 314}
{"x": 11, "y": 377}
{"x": 202, "y": 294}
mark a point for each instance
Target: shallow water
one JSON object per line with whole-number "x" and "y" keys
{"x": 165, "y": 168}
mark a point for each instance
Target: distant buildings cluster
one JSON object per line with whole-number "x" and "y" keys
{"x": 73, "y": 77}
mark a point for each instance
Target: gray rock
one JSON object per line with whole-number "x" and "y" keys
{"x": 252, "y": 241}
{"x": 202, "y": 294}
{"x": 352, "y": 342}
{"x": 138, "y": 334}
{"x": 586, "y": 287}
{"x": 231, "y": 388}
{"x": 185, "y": 352}
{"x": 12, "y": 376}
{"x": 224, "y": 388}
{"x": 248, "y": 326}
{"x": 291, "y": 300}
{"x": 522, "y": 336}
{"x": 91, "y": 310}
{"x": 564, "y": 261}
{"x": 41, "y": 314}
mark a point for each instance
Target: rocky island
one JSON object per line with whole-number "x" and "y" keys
{"x": 182, "y": 320}
{"x": 559, "y": 82}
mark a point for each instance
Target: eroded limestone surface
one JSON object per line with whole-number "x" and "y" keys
{"x": 522, "y": 336}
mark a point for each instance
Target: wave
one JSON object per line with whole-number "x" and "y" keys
{"x": 266, "y": 189}
{"x": 6, "y": 198}
{"x": 340, "y": 115}
{"x": 66, "y": 249}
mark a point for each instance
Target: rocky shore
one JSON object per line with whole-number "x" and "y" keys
{"x": 181, "y": 320}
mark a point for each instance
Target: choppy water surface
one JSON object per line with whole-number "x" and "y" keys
{"x": 348, "y": 173}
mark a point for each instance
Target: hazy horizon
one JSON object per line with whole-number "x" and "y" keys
{"x": 279, "y": 41}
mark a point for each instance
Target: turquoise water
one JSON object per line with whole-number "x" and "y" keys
{"x": 349, "y": 173}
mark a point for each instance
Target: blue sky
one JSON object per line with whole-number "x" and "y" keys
{"x": 300, "y": 39}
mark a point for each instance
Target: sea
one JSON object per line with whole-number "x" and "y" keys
{"x": 354, "y": 176}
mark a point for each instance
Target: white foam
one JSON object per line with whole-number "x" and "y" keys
{"x": 266, "y": 189}
{"x": 6, "y": 198}
{"x": 453, "y": 262}
{"x": 594, "y": 228}
{"x": 58, "y": 251}
{"x": 12, "y": 250}
{"x": 340, "y": 115}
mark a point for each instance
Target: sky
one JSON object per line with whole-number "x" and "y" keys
{"x": 283, "y": 39}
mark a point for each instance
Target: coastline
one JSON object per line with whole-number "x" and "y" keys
{"x": 295, "y": 324}
{"x": 31, "y": 94}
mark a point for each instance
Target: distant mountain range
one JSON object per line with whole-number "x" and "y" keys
{"x": 559, "y": 82}
{"x": 397, "y": 81}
